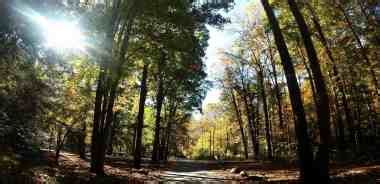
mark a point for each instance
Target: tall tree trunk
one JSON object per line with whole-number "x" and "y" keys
{"x": 338, "y": 80}
{"x": 159, "y": 101}
{"x": 167, "y": 147}
{"x": 82, "y": 141}
{"x": 213, "y": 142}
{"x": 140, "y": 117}
{"x": 256, "y": 124}
{"x": 276, "y": 86}
{"x": 103, "y": 117}
{"x": 111, "y": 135}
{"x": 305, "y": 153}
{"x": 210, "y": 145}
{"x": 161, "y": 148}
{"x": 250, "y": 114}
{"x": 96, "y": 127}
{"x": 163, "y": 137}
{"x": 250, "y": 118}
{"x": 59, "y": 144}
{"x": 134, "y": 133}
{"x": 240, "y": 122}
{"x": 108, "y": 81}
{"x": 260, "y": 78}
{"x": 340, "y": 135}
{"x": 309, "y": 74}
{"x": 268, "y": 130}
{"x": 105, "y": 126}
{"x": 323, "y": 109}
{"x": 163, "y": 133}
{"x": 227, "y": 145}
{"x": 171, "y": 121}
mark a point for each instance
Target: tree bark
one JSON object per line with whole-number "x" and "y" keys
{"x": 309, "y": 74}
{"x": 338, "y": 80}
{"x": 268, "y": 134}
{"x": 260, "y": 78}
{"x": 108, "y": 81}
{"x": 240, "y": 122}
{"x": 97, "y": 116}
{"x": 339, "y": 126}
{"x": 209, "y": 145}
{"x": 112, "y": 130}
{"x": 171, "y": 121}
{"x": 59, "y": 144}
{"x": 323, "y": 109}
{"x": 159, "y": 101}
{"x": 250, "y": 118}
{"x": 140, "y": 118}
{"x": 82, "y": 143}
{"x": 304, "y": 148}
{"x": 256, "y": 124}
{"x": 276, "y": 86}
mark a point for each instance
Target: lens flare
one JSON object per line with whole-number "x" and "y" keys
{"x": 63, "y": 34}
{"x": 57, "y": 33}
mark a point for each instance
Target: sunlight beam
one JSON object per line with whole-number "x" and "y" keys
{"x": 58, "y": 34}
{"x": 62, "y": 34}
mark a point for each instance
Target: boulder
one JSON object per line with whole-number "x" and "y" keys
{"x": 243, "y": 174}
{"x": 235, "y": 170}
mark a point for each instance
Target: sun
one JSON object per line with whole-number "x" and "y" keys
{"x": 65, "y": 35}
{"x": 61, "y": 34}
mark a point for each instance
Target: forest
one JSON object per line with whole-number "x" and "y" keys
{"x": 116, "y": 91}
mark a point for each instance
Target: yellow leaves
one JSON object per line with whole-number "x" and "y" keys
{"x": 211, "y": 132}
{"x": 71, "y": 92}
{"x": 307, "y": 93}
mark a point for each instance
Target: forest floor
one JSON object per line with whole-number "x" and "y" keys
{"x": 73, "y": 169}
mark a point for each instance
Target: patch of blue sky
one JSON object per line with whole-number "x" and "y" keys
{"x": 221, "y": 39}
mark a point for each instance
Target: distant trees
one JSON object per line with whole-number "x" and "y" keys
{"x": 323, "y": 93}
{"x": 135, "y": 88}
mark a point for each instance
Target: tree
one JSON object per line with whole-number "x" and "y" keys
{"x": 276, "y": 83}
{"x": 109, "y": 78}
{"x": 339, "y": 82}
{"x": 323, "y": 109}
{"x": 140, "y": 117}
{"x": 304, "y": 148}
{"x": 240, "y": 122}
{"x": 159, "y": 101}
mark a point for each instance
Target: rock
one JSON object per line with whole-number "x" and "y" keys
{"x": 235, "y": 170}
{"x": 243, "y": 174}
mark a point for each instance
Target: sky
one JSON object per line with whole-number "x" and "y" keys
{"x": 221, "y": 40}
